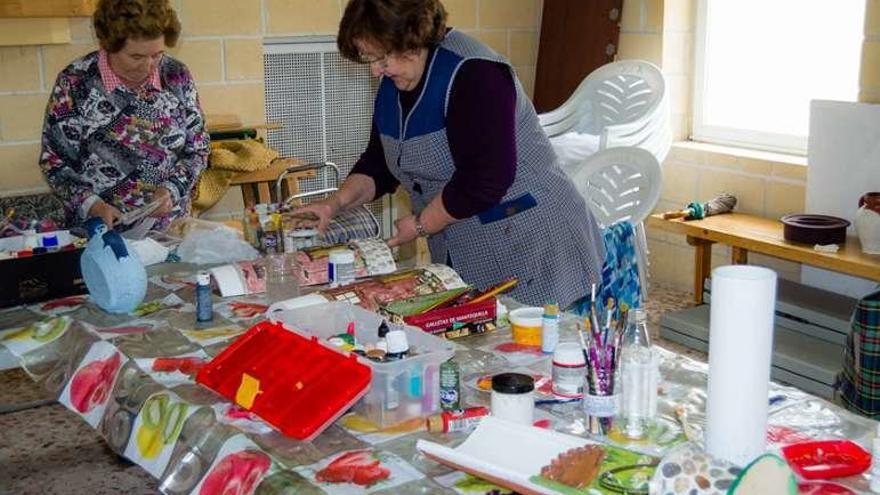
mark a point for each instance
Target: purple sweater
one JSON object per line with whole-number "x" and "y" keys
{"x": 481, "y": 129}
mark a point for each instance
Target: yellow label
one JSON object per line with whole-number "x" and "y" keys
{"x": 247, "y": 391}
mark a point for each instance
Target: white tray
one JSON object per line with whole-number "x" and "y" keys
{"x": 505, "y": 453}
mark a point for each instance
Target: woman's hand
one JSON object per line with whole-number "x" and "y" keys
{"x": 163, "y": 195}
{"x": 406, "y": 231}
{"x": 107, "y": 213}
{"x": 317, "y": 214}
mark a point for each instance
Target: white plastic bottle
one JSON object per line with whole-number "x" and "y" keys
{"x": 638, "y": 377}
{"x": 550, "y": 328}
{"x": 341, "y": 267}
{"x": 875, "y": 462}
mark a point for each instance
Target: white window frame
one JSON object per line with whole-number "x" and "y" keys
{"x": 744, "y": 138}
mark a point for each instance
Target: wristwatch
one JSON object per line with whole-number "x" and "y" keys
{"x": 420, "y": 229}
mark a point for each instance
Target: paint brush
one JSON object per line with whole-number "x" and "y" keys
{"x": 583, "y": 344}
{"x": 459, "y": 300}
{"x": 494, "y": 291}
{"x": 555, "y": 401}
{"x": 594, "y": 316}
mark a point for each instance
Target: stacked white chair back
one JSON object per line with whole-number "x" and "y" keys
{"x": 622, "y": 185}
{"x": 626, "y": 105}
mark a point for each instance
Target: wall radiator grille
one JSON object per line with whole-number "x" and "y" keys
{"x": 325, "y": 104}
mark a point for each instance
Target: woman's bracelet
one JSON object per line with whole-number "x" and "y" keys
{"x": 420, "y": 229}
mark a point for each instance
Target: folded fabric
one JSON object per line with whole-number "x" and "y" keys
{"x": 228, "y": 158}
{"x": 858, "y": 385}
{"x": 620, "y": 273}
{"x": 348, "y": 225}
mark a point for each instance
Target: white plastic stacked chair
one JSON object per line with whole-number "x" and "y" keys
{"x": 626, "y": 105}
{"x": 622, "y": 185}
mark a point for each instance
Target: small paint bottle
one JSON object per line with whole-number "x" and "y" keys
{"x": 449, "y": 421}
{"x": 398, "y": 345}
{"x": 550, "y": 328}
{"x": 382, "y": 341}
{"x": 204, "y": 304}
{"x": 569, "y": 371}
{"x": 450, "y": 386}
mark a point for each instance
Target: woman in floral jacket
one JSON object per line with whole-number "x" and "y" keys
{"x": 123, "y": 126}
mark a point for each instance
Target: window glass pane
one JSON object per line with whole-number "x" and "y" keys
{"x": 766, "y": 59}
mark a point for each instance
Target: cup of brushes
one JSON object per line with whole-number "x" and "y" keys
{"x": 600, "y": 344}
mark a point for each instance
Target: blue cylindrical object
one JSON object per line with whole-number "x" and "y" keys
{"x": 204, "y": 304}
{"x": 113, "y": 273}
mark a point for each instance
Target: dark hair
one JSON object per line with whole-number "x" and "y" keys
{"x": 118, "y": 20}
{"x": 396, "y": 26}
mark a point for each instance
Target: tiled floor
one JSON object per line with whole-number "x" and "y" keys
{"x": 48, "y": 450}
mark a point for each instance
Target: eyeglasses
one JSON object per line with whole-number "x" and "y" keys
{"x": 380, "y": 61}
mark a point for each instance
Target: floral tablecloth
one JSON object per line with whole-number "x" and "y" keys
{"x": 131, "y": 378}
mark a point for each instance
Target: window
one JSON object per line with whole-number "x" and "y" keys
{"x": 760, "y": 62}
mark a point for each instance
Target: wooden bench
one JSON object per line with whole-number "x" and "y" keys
{"x": 748, "y": 233}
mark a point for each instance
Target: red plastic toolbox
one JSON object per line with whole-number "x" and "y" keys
{"x": 294, "y": 383}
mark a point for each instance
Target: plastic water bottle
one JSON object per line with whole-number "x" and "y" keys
{"x": 637, "y": 377}
{"x": 550, "y": 328}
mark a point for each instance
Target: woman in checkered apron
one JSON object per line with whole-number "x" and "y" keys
{"x": 453, "y": 126}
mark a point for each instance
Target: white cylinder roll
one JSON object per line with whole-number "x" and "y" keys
{"x": 740, "y": 349}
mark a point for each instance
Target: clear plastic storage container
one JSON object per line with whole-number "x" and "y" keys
{"x": 400, "y": 390}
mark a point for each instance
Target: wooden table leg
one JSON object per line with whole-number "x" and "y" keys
{"x": 739, "y": 256}
{"x": 702, "y": 264}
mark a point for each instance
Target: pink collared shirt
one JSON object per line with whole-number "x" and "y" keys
{"x": 112, "y": 81}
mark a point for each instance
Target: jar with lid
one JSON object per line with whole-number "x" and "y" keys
{"x": 297, "y": 239}
{"x": 513, "y": 397}
{"x": 341, "y": 267}
{"x": 569, "y": 370}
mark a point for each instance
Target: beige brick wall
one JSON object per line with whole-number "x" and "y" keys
{"x": 222, "y": 44}
{"x": 766, "y": 184}
{"x": 641, "y": 31}
{"x": 870, "y": 74}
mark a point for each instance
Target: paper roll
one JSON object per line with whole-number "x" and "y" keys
{"x": 740, "y": 348}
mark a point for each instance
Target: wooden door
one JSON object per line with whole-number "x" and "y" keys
{"x": 577, "y": 36}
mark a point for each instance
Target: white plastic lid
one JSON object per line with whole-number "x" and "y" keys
{"x": 304, "y": 233}
{"x": 397, "y": 341}
{"x": 569, "y": 353}
{"x": 526, "y": 317}
{"x": 341, "y": 256}
{"x": 203, "y": 278}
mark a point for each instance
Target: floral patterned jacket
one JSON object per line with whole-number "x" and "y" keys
{"x": 121, "y": 145}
